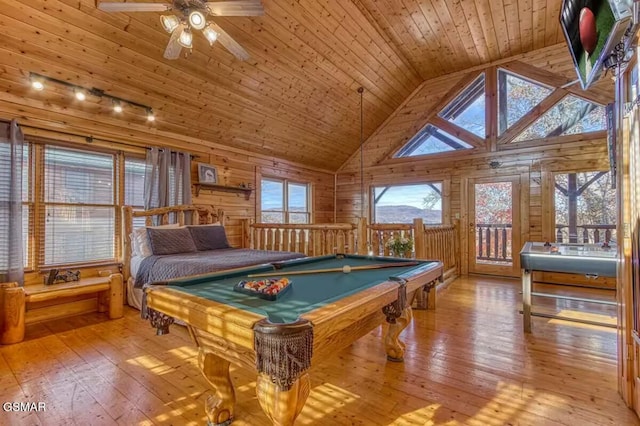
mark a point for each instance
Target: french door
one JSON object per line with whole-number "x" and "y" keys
{"x": 494, "y": 225}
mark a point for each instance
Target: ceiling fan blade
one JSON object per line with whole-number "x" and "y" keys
{"x": 236, "y": 8}
{"x": 133, "y": 7}
{"x": 228, "y": 42}
{"x": 173, "y": 47}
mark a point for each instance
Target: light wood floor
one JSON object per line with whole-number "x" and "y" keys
{"x": 468, "y": 363}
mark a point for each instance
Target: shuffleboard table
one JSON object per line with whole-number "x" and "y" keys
{"x": 321, "y": 313}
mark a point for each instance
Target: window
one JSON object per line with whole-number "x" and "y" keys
{"x": 431, "y": 140}
{"x": 282, "y": 201}
{"x": 585, "y": 205}
{"x": 134, "y": 169}
{"x": 403, "y": 203}
{"x": 570, "y": 116}
{"x": 79, "y": 206}
{"x": 516, "y": 97}
{"x": 468, "y": 109}
{"x": 5, "y": 200}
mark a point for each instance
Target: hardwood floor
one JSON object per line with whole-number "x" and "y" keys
{"x": 469, "y": 362}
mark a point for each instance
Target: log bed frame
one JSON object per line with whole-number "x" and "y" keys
{"x": 182, "y": 214}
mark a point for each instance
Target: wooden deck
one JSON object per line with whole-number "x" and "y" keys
{"x": 468, "y": 363}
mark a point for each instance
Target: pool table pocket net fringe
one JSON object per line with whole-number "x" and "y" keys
{"x": 283, "y": 353}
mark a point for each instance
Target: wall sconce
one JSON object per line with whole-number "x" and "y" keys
{"x": 39, "y": 82}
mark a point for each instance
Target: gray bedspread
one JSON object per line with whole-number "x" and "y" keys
{"x": 161, "y": 268}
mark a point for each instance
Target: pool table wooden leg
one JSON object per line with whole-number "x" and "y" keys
{"x": 392, "y": 343}
{"x": 282, "y": 406}
{"x": 219, "y": 407}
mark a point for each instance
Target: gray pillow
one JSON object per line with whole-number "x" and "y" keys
{"x": 171, "y": 240}
{"x": 209, "y": 237}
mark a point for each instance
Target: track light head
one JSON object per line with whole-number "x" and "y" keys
{"x": 150, "y": 115}
{"x": 80, "y": 94}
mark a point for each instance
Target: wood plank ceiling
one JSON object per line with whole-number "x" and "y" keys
{"x": 295, "y": 99}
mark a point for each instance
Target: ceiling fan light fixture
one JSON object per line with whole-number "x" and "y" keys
{"x": 169, "y": 22}
{"x": 197, "y": 20}
{"x": 210, "y": 34}
{"x": 186, "y": 38}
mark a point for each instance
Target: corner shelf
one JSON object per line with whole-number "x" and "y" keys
{"x": 224, "y": 188}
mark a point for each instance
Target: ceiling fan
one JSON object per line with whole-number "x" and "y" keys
{"x": 193, "y": 15}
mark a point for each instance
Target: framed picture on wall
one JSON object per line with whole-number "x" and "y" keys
{"x": 207, "y": 173}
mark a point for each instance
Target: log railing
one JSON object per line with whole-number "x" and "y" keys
{"x": 430, "y": 242}
{"x": 493, "y": 242}
{"x": 586, "y": 234}
{"x": 438, "y": 242}
{"x": 312, "y": 240}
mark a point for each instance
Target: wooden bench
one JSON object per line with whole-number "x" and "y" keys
{"x": 25, "y": 305}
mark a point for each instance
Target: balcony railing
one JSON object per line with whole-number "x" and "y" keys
{"x": 494, "y": 242}
{"x": 586, "y": 234}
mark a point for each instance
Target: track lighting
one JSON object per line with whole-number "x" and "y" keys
{"x": 37, "y": 83}
{"x": 81, "y": 93}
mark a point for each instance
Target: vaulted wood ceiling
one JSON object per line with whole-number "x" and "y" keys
{"x": 296, "y": 98}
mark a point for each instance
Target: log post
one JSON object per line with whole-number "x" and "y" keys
{"x": 419, "y": 238}
{"x": 363, "y": 239}
{"x": 12, "y": 309}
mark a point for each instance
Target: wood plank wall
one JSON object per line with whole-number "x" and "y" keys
{"x": 535, "y": 161}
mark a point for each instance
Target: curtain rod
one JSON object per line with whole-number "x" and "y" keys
{"x": 88, "y": 139}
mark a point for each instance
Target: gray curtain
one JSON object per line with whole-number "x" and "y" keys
{"x": 11, "y": 238}
{"x": 167, "y": 178}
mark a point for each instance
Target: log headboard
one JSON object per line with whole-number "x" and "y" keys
{"x": 182, "y": 214}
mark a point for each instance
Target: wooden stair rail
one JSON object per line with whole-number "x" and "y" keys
{"x": 439, "y": 242}
{"x": 310, "y": 239}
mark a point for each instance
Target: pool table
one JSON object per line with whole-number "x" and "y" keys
{"x": 321, "y": 313}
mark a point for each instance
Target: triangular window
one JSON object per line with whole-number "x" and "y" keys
{"x": 467, "y": 110}
{"x": 431, "y": 140}
{"x": 516, "y": 97}
{"x": 570, "y": 116}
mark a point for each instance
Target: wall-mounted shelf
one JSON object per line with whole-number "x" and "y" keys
{"x": 224, "y": 188}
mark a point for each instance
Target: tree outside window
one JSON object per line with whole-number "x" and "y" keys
{"x": 585, "y": 205}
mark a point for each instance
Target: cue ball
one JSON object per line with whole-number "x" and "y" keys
{"x": 346, "y": 269}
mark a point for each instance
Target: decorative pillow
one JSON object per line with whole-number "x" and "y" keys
{"x": 140, "y": 245}
{"x": 209, "y": 237}
{"x": 170, "y": 241}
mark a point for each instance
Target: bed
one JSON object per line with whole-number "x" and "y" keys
{"x": 178, "y": 241}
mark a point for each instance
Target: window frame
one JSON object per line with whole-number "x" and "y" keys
{"x": 39, "y": 224}
{"x": 444, "y": 183}
{"x": 285, "y": 201}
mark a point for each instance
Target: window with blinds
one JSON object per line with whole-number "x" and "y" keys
{"x": 5, "y": 204}
{"x": 78, "y": 207}
{"x": 134, "y": 187}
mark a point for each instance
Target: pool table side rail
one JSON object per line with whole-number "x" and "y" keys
{"x": 217, "y": 318}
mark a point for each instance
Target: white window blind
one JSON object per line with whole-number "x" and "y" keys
{"x": 79, "y": 207}
{"x": 5, "y": 206}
